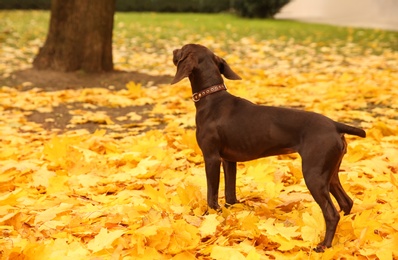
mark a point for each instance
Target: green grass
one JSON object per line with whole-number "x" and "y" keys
{"x": 154, "y": 29}
{"x": 229, "y": 28}
{"x": 23, "y": 26}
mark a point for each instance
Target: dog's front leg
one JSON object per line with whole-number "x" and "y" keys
{"x": 230, "y": 182}
{"x": 212, "y": 167}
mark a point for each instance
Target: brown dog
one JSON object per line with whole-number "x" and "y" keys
{"x": 231, "y": 129}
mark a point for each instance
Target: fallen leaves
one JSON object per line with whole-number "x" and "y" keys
{"x": 122, "y": 192}
{"x": 79, "y": 194}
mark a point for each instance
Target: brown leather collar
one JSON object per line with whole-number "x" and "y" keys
{"x": 213, "y": 89}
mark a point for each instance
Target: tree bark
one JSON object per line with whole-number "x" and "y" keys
{"x": 79, "y": 37}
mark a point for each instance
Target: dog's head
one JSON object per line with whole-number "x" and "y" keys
{"x": 195, "y": 56}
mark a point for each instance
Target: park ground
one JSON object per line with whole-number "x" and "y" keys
{"x": 106, "y": 166}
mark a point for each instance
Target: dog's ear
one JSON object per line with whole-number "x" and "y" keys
{"x": 226, "y": 70}
{"x": 184, "y": 67}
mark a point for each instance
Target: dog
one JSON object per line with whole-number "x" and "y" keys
{"x": 230, "y": 129}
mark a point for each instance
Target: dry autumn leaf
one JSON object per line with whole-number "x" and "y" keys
{"x": 104, "y": 240}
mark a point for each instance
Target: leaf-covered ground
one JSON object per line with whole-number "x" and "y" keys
{"x": 135, "y": 188}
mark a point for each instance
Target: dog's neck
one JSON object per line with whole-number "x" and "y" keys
{"x": 200, "y": 82}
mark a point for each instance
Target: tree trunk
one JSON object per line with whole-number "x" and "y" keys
{"x": 79, "y": 37}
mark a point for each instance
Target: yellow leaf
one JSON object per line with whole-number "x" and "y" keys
{"x": 226, "y": 253}
{"x": 189, "y": 139}
{"x": 11, "y": 198}
{"x": 82, "y": 117}
{"x": 284, "y": 244}
{"x": 356, "y": 153}
{"x": 134, "y": 116}
{"x": 58, "y": 184}
{"x": 148, "y": 253}
{"x": 58, "y": 148}
{"x": 209, "y": 225}
{"x": 386, "y": 130}
{"x": 189, "y": 194}
{"x": 385, "y": 253}
{"x": 157, "y": 197}
{"x": 249, "y": 221}
{"x": 104, "y": 240}
{"x": 161, "y": 240}
{"x": 148, "y": 231}
{"x": 262, "y": 172}
{"x": 145, "y": 169}
{"x": 135, "y": 90}
{"x": 184, "y": 256}
{"x": 253, "y": 255}
{"x": 365, "y": 224}
{"x": 273, "y": 228}
{"x": 312, "y": 228}
{"x": 393, "y": 180}
{"x": 51, "y": 213}
{"x": 42, "y": 177}
{"x": 185, "y": 237}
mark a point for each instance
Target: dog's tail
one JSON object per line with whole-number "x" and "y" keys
{"x": 346, "y": 129}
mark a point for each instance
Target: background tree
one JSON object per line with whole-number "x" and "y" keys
{"x": 79, "y": 36}
{"x": 259, "y": 8}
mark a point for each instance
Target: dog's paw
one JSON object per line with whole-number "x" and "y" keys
{"x": 227, "y": 205}
{"x": 320, "y": 248}
{"x": 211, "y": 210}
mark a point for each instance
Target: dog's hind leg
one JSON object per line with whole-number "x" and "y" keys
{"x": 318, "y": 168}
{"x": 344, "y": 201}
